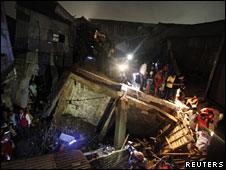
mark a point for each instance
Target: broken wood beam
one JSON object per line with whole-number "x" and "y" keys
{"x": 125, "y": 141}
{"x": 99, "y": 88}
{"x": 144, "y": 106}
{"x": 147, "y": 98}
{"x": 101, "y": 80}
{"x": 107, "y": 122}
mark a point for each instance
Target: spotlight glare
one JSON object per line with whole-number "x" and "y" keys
{"x": 129, "y": 56}
{"x": 123, "y": 67}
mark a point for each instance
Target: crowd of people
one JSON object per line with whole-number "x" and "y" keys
{"x": 159, "y": 81}
{"x": 15, "y": 124}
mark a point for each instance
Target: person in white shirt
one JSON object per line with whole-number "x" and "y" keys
{"x": 143, "y": 70}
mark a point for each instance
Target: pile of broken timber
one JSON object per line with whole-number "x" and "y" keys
{"x": 175, "y": 141}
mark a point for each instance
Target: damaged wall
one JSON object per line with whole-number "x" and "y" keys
{"x": 36, "y": 49}
{"x": 35, "y": 31}
{"x": 144, "y": 118}
{"x": 90, "y": 107}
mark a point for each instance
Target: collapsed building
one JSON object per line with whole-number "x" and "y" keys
{"x": 68, "y": 59}
{"x": 106, "y": 105}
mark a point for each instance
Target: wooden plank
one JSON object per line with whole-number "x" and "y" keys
{"x": 96, "y": 77}
{"x": 169, "y": 143}
{"x": 147, "y": 98}
{"x": 144, "y": 106}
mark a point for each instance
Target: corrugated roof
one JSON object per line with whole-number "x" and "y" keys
{"x": 61, "y": 160}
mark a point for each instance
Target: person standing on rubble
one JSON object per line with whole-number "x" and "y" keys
{"x": 143, "y": 70}
{"x": 158, "y": 81}
{"x": 206, "y": 121}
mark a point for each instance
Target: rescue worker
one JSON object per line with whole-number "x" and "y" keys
{"x": 165, "y": 73}
{"x": 207, "y": 120}
{"x": 173, "y": 83}
{"x": 169, "y": 87}
{"x": 151, "y": 81}
{"x": 143, "y": 70}
{"x": 203, "y": 141}
{"x": 136, "y": 158}
{"x": 180, "y": 96}
{"x": 158, "y": 81}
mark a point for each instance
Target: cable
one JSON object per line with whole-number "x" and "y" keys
{"x": 87, "y": 99}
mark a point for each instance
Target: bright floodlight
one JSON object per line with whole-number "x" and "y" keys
{"x": 123, "y": 67}
{"x": 129, "y": 56}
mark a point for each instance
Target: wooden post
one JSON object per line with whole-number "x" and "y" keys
{"x": 120, "y": 124}
{"x": 214, "y": 66}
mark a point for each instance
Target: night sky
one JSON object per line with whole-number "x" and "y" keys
{"x": 181, "y": 12}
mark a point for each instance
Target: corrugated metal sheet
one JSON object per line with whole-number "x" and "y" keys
{"x": 61, "y": 160}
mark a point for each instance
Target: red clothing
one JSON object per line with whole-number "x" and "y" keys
{"x": 7, "y": 148}
{"x": 23, "y": 121}
{"x": 205, "y": 117}
{"x": 158, "y": 82}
